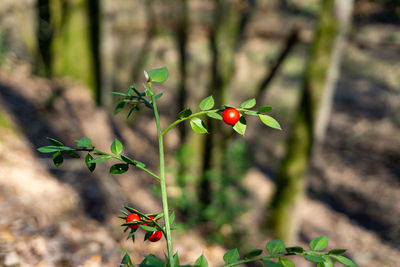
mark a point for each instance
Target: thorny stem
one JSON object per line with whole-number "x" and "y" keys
{"x": 162, "y": 181}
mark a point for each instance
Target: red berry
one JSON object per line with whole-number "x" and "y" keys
{"x": 155, "y": 236}
{"x": 133, "y": 217}
{"x": 151, "y": 217}
{"x": 231, "y": 116}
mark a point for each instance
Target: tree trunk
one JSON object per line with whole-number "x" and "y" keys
{"x": 317, "y": 87}
{"x": 72, "y": 42}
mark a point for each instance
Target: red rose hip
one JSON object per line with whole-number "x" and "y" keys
{"x": 133, "y": 217}
{"x": 231, "y": 116}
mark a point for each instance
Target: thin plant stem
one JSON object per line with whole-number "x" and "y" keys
{"x": 162, "y": 182}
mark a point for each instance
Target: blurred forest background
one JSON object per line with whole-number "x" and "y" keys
{"x": 329, "y": 68}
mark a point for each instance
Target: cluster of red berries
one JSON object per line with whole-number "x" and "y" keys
{"x": 133, "y": 217}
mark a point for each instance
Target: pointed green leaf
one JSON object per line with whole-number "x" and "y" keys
{"x": 73, "y": 155}
{"x": 286, "y": 263}
{"x": 294, "y": 249}
{"x": 275, "y": 246}
{"x": 337, "y": 251}
{"x": 58, "y": 159}
{"x": 126, "y": 260}
{"x": 172, "y": 218}
{"x": 314, "y": 258}
{"x": 148, "y": 228}
{"x": 253, "y": 253}
{"x": 201, "y": 261}
{"x": 116, "y": 147}
{"x": 159, "y": 75}
{"x": 270, "y": 263}
{"x": 54, "y": 141}
{"x": 119, "y": 168}
{"x": 128, "y": 160}
{"x": 264, "y": 109}
{"x": 327, "y": 263}
{"x": 139, "y": 164}
{"x": 214, "y": 115}
{"x": 345, "y": 261}
{"x": 248, "y": 103}
{"x": 100, "y": 159}
{"x": 269, "y": 121}
{"x": 119, "y": 94}
{"x": 207, "y": 103}
{"x": 184, "y": 113}
{"x": 251, "y": 112}
{"x": 198, "y": 126}
{"x": 240, "y": 126}
{"x": 319, "y": 243}
{"x": 153, "y": 261}
{"x": 119, "y": 106}
{"x": 91, "y": 166}
{"x": 84, "y": 142}
{"x": 156, "y": 97}
{"x": 51, "y": 149}
{"x": 231, "y": 256}
{"x": 132, "y": 109}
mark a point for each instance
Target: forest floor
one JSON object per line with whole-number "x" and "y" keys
{"x": 67, "y": 216}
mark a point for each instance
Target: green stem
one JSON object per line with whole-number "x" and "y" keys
{"x": 162, "y": 182}
{"x": 188, "y": 117}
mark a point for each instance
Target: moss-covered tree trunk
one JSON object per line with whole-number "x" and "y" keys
{"x": 290, "y": 179}
{"x": 74, "y": 50}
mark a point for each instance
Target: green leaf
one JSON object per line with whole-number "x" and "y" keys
{"x": 119, "y": 93}
{"x": 201, "y": 261}
{"x": 132, "y": 109}
{"x": 91, "y": 166}
{"x": 116, "y": 147}
{"x": 100, "y": 159}
{"x": 126, "y": 260}
{"x": 270, "y": 263}
{"x": 54, "y": 141}
{"x": 175, "y": 259}
{"x": 327, "y": 263}
{"x": 240, "y": 126}
{"x": 119, "y": 168}
{"x": 119, "y": 106}
{"x": 275, "y": 246}
{"x": 207, "y": 103}
{"x": 294, "y": 249}
{"x": 84, "y": 142}
{"x": 159, "y": 75}
{"x": 198, "y": 126}
{"x": 314, "y": 258}
{"x": 231, "y": 256}
{"x": 253, "y": 253}
{"x": 72, "y": 154}
{"x": 158, "y": 96}
{"x": 148, "y": 228}
{"x": 251, "y": 112}
{"x": 337, "y": 251}
{"x": 319, "y": 243}
{"x": 172, "y": 218}
{"x": 269, "y": 121}
{"x": 345, "y": 261}
{"x": 286, "y": 263}
{"x": 139, "y": 163}
{"x": 248, "y": 103}
{"x": 214, "y": 115}
{"x": 51, "y": 149}
{"x": 184, "y": 113}
{"x": 58, "y": 159}
{"x": 151, "y": 260}
{"x": 128, "y": 160}
{"x": 264, "y": 109}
